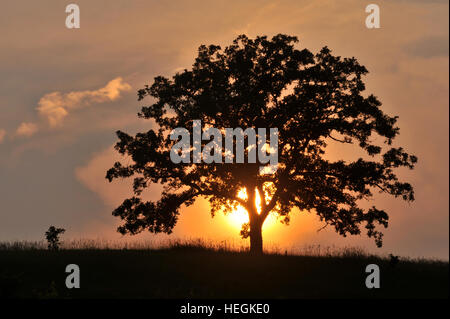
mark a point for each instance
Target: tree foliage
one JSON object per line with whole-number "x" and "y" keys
{"x": 52, "y": 236}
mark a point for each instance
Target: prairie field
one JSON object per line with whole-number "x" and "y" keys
{"x": 199, "y": 269}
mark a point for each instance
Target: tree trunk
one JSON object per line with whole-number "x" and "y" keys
{"x": 256, "y": 242}
{"x": 256, "y": 221}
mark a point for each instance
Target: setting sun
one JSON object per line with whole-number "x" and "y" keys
{"x": 240, "y": 216}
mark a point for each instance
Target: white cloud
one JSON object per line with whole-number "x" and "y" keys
{"x": 26, "y": 129}
{"x": 55, "y": 106}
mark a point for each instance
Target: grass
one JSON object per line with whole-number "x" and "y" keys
{"x": 201, "y": 269}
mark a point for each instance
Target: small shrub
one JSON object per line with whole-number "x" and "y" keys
{"x": 52, "y": 236}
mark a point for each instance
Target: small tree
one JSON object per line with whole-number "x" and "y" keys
{"x": 258, "y": 83}
{"x": 52, "y": 236}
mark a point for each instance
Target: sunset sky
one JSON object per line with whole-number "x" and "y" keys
{"x": 63, "y": 94}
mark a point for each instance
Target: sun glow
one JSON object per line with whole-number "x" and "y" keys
{"x": 239, "y": 216}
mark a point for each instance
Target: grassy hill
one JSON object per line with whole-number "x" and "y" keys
{"x": 190, "y": 271}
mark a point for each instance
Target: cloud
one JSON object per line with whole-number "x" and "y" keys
{"x": 26, "y": 129}
{"x": 429, "y": 46}
{"x": 55, "y": 106}
{"x": 92, "y": 175}
{"x": 2, "y": 135}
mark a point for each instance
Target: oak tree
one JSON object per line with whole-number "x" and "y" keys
{"x": 312, "y": 99}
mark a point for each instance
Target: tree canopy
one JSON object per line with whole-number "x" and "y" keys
{"x": 311, "y": 98}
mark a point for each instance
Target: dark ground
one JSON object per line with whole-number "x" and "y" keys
{"x": 202, "y": 273}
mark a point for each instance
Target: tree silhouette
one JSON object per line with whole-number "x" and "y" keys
{"x": 311, "y": 99}
{"x": 52, "y": 236}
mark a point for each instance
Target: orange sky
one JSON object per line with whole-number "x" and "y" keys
{"x": 64, "y": 92}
